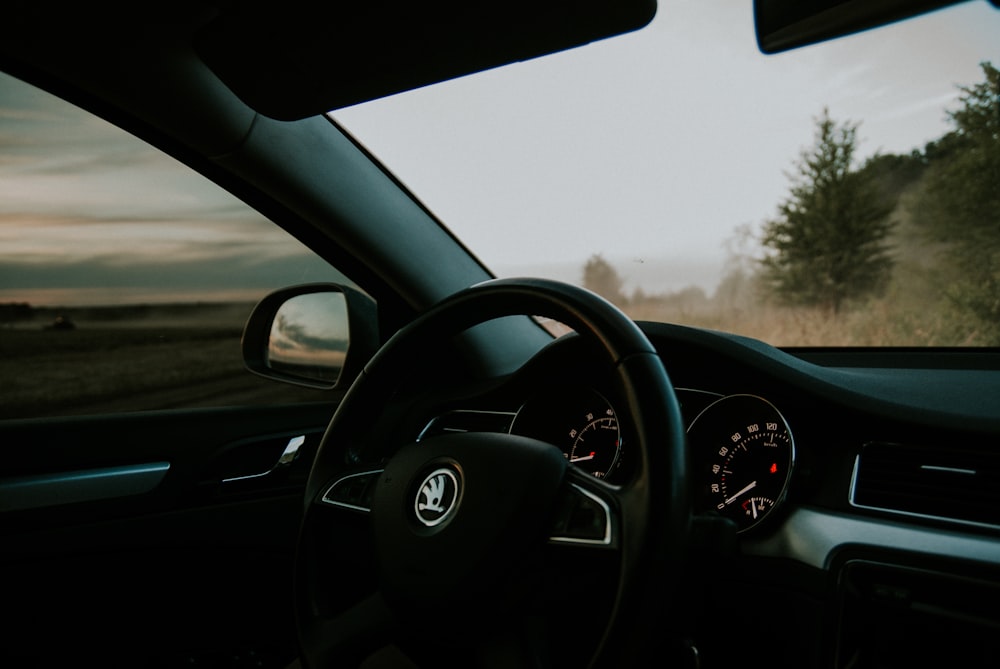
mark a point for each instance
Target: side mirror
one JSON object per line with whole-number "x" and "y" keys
{"x": 317, "y": 335}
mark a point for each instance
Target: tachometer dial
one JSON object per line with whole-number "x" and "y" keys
{"x": 580, "y": 421}
{"x": 746, "y": 453}
{"x": 597, "y": 444}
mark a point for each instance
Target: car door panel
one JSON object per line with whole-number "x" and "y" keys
{"x": 187, "y": 556}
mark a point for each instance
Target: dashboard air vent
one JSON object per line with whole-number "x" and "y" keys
{"x": 957, "y": 485}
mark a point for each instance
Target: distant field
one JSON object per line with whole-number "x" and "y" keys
{"x": 141, "y": 358}
{"x": 131, "y": 364}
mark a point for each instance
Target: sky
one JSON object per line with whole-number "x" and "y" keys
{"x": 92, "y": 216}
{"x": 653, "y": 149}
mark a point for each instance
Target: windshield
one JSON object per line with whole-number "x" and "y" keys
{"x": 838, "y": 194}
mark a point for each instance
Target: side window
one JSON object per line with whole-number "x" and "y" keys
{"x": 125, "y": 277}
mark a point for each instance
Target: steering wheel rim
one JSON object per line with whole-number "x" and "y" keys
{"x": 648, "y": 516}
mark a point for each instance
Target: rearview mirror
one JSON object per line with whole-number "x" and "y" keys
{"x": 315, "y": 335}
{"x": 786, "y": 24}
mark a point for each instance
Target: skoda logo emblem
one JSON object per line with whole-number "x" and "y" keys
{"x": 437, "y": 497}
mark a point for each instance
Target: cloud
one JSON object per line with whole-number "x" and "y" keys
{"x": 149, "y": 280}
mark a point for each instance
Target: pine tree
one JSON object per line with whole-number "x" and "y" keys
{"x": 960, "y": 203}
{"x": 828, "y": 242}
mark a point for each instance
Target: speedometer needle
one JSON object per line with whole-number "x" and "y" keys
{"x": 749, "y": 486}
{"x": 581, "y": 458}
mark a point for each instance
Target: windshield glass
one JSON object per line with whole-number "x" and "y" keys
{"x": 839, "y": 194}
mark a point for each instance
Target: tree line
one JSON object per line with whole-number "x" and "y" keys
{"x": 830, "y": 243}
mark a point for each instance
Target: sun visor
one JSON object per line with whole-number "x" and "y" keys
{"x": 296, "y": 59}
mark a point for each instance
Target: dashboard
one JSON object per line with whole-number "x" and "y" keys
{"x": 848, "y": 498}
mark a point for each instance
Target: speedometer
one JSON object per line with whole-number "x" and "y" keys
{"x": 745, "y": 453}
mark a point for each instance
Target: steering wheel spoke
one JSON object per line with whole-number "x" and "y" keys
{"x": 352, "y": 490}
{"x": 586, "y": 514}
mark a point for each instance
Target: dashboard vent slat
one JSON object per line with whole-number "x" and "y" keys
{"x": 958, "y": 485}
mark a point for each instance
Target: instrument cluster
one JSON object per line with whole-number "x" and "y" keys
{"x": 741, "y": 447}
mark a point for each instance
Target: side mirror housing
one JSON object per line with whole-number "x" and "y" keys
{"x": 318, "y": 335}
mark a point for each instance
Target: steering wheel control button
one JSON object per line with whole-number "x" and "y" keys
{"x": 437, "y": 497}
{"x": 583, "y": 518}
{"x": 353, "y": 491}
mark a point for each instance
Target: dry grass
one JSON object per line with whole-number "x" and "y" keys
{"x": 888, "y": 321}
{"x": 913, "y": 311}
{"x": 128, "y": 368}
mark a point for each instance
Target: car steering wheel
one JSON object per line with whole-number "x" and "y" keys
{"x": 452, "y": 538}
